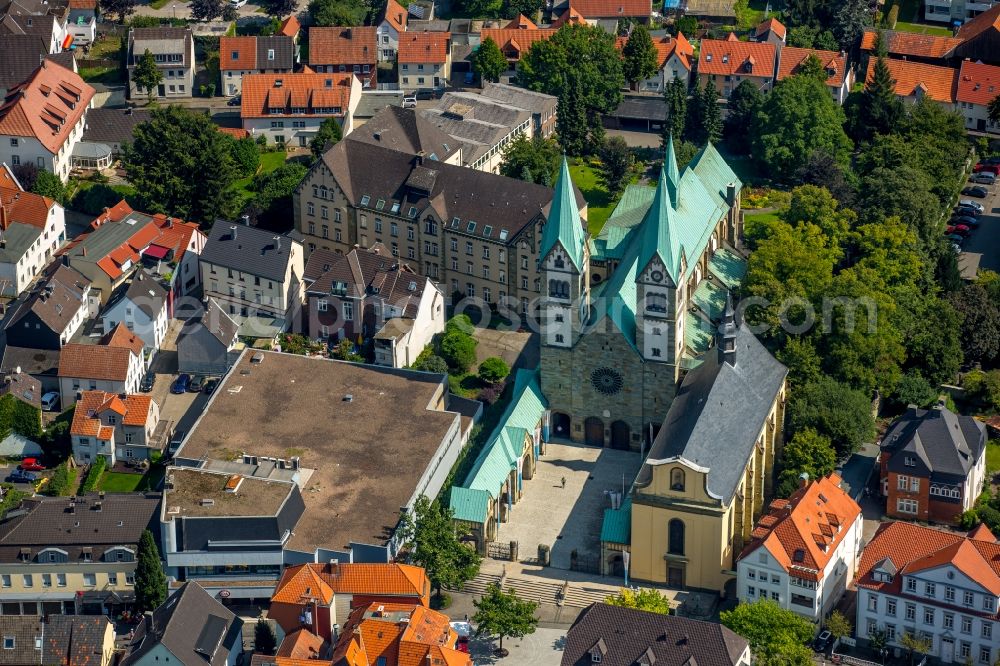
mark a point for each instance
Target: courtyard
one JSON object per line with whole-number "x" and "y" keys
{"x": 568, "y": 519}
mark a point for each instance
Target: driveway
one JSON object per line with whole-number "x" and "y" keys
{"x": 986, "y": 239}
{"x": 183, "y": 408}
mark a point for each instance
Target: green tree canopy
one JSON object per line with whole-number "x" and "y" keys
{"x": 206, "y": 10}
{"x": 616, "y": 164}
{"x": 436, "y": 546}
{"x": 993, "y": 110}
{"x": 535, "y": 160}
{"x": 880, "y": 109}
{"x": 264, "y": 639}
{"x": 675, "y": 95}
{"x": 273, "y": 193}
{"x": 639, "y": 56}
{"x": 459, "y": 350}
{"x": 120, "y": 9}
{"x": 493, "y": 369}
{"x": 147, "y": 75}
{"x": 49, "y": 185}
{"x": 246, "y": 156}
{"x": 503, "y": 614}
{"x": 744, "y": 102}
{"x": 646, "y": 599}
{"x": 326, "y": 13}
{"x": 180, "y": 165}
{"x": 329, "y": 135}
{"x": 150, "y": 581}
{"x": 980, "y": 323}
{"x": 571, "y": 117}
{"x": 776, "y": 636}
{"x": 488, "y": 61}
{"x": 834, "y": 410}
{"x": 807, "y": 452}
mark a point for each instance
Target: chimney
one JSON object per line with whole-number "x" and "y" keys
{"x": 277, "y": 242}
{"x": 420, "y": 158}
{"x": 803, "y": 479}
{"x": 245, "y": 219}
{"x": 232, "y": 232}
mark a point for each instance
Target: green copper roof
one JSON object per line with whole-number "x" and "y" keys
{"x": 470, "y": 505}
{"x": 710, "y": 299}
{"x": 673, "y": 176}
{"x": 628, "y": 214}
{"x": 698, "y": 334}
{"x": 617, "y": 525}
{"x": 563, "y": 225}
{"x": 660, "y": 237}
{"x": 729, "y": 267}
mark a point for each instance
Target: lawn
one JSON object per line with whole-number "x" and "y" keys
{"x": 922, "y": 29}
{"x": 160, "y": 4}
{"x": 121, "y": 482}
{"x": 106, "y": 47}
{"x": 992, "y": 457}
{"x": 105, "y": 75}
{"x": 600, "y": 204}
{"x": 760, "y": 217}
{"x": 268, "y": 163}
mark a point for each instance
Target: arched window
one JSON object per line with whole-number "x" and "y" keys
{"x": 675, "y": 537}
{"x": 677, "y": 479}
{"x": 558, "y": 289}
{"x": 559, "y": 263}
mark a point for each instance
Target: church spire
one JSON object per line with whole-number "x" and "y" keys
{"x": 659, "y": 237}
{"x": 673, "y": 175}
{"x": 563, "y": 225}
{"x": 727, "y": 334}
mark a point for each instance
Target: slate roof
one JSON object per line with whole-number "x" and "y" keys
{"x": 625, "y": 637}
{"x": 106, "y": 125}
{"x": 719, "y": 402}
{"x": 22, "y": 386}
{"x": 57, "y": 307}
{"x": 248, "y": 249}
{"x": 371, "y": 271}
{"x": 408, "y": 132}
{"x": 522, "y": 98}
{"x": 728, "y": 57}
{"x": 343, "y": 46}
{"x": 192, "y": 625}
{"x": 478, "y": 122}
{"x": 147, "y": 294}
{"x": 72, "y": 640}
{"x": 947, "y": 445}
{"x": 19, "y": 57}
{"x": 31, "y": 361}
{"x": 424, "y": 47}
{"x": 46, "y": 106}
{"x": 978, "y": 83}
{"x": 162, "y": 40}
{"x": 218, "y": 322}
{"x": 916, "y": 78}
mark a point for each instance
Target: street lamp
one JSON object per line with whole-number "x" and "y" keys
{"x": 174, "y": 7}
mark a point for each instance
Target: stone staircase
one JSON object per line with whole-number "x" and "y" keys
{"x": 540, "y": 590}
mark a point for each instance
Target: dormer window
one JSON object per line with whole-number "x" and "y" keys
{"x": 910, "y": 461}
{"x": 598, "y": 651}
{"x": 595, "y": 657}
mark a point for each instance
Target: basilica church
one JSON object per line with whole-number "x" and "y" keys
{"x": 626, "y": 314}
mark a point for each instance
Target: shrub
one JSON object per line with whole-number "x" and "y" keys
{"x": 62, "y": 482}
{"x": 431, "y": 363}
{"x": 491, "y": 394}
{"x": 461, "y": 323}
{"x": 458, "y": 350}
{"x": 94, "y": 475}
{"x": 892, "y": 17}
{"x": 493, "y": 370}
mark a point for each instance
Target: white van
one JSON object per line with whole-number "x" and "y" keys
{"x": 50, "y": 401}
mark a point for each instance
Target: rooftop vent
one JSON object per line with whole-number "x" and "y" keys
{"x": 207, "y": 502}
{"x": 348, "y": 398}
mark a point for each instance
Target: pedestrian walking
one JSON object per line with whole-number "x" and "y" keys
{"x": 563, "y": 482}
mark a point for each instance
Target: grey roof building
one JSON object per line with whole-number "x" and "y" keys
{"x": 408, "y": 132}
{"x": 76, "y": 640}
{"x": 113, "y": 127}
{"x": 191, "y": 628}
{"x": 484, "y": 126}
{"x": 50, "y": 314}
{"x": 20, "y": 55}
{"x": 615, "y": 636}
{"x": 173, "y": 50}
{"x": 248, "y": 249}
{"x": 209, "y": 344}
{"x": 541, "y": 106}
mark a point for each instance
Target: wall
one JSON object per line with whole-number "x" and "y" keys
{"x": 387, "y": 38}
{"x": 177, "y": 75}
{"x": 150, "y": 331}
{"x": 74, "y": 579}
{"x": 69, "y": 387}
{"x": 414, "y": 76}
{"x": 200, "y": 352}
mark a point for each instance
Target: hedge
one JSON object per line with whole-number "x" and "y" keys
{"x": 63, "y": 482}
{"x": 94, "y": 475}
{"x": 20, "y": 417}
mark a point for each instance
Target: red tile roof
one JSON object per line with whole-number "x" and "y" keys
{"x": 23, "y": 207}
{"x": 791, "y": 58}
{"x": 94, "y": 362}
{"x": 771, "y": 25}
{"x": 666, "y": 46}
{"x": 728, "y": 57}
{"x": 570, "y": 16}
{"x": 7, "y": 178}
{"x": 595, "y": 9}
{"x": 87, "y": 416}
{"x": 398, "y": 635}
{"x": 322, "y": 581}
{"x": 343, "y": 46}
{"x": 805, "y": 530}
{"x": 913, "y": 548}
{"x": 522, "y": 22}
{"x": 301, "y": 644}
{"x": 515, "y": 42}
{"x": 978, "y": 83}
{"x": 260, "y": 92}
{"x": 83, "y": 4}
{"x": 237, "y": 53}
{"x": 235, "y": 132}
{"x": 396, "y": 15}
{"x": 290, "y": 27}
{"x": 911, "y": 44}
{"x": 47, "y": 106}
{"x": 417, "y": 47}
{"x": 120, "y": 336}
{"x": 988, "y": 20}
{"x": 938, "y": 83}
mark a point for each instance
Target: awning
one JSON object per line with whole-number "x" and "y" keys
{"x": 156, "y": 252}
{"x": 67, "y": 41}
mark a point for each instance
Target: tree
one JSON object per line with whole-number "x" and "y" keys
{"x": 459, "y": 350}
{"x": 798, "y": 118}
{"x": 823, "y": 170}
{"x": 513, "y": 8}
{"x": 880, "y": 109}
{"x": 264, "y": 639}
{"x": 849, "y": 21}
{"x": 744, "y": 102}
{"x": 808, "y": 452}
{"x": 484, "y": 8}
{"x": 327, "y": 13}
{"x": 776, "y": 636}
{"x": 838, "y": 625}
{"x": 26, "y": 174}
{"x": 914, "y": 643}
{"x": 273, "y": 198}
{"x": 835, "y": 410}
{"x": 616, "y": 164}
{"x": 646, "y": 599}
{"x": 436, "y": 547}
{"x": 503, "y": 614}
{"x": 49, "y": 185}
{"x": 675, "y": 94}
{"x": 711, "y": 117}
{"x": 493, "y": 370}
{"x": 431, "y": 363}
{"x": 180, "y": 164}
{"x": 993, "y": 110}
{"x": 150, "y": 581}
{"x": 571, "y": 117}
{"x": 812, "y": 67}
{"x": 913, "y": 389}
{"x": 980, "y": 323}
{"x": 687, "y": 25}
{"x": 147, "y": 75}
{"x": 246, "y": 156}
{"x": 933, "y": 338}
{"x": 640, "y": 56}
{"x": 488, "y": 61}
{"x": 206, "y": 10}
{"x": 119, "y": 8}
{"x": 345, "y": 351}
{"x": 329, "y": 135}
{"x": 535, "y": 160}
{"x": 278, "y": 8}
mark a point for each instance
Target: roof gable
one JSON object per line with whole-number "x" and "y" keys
{"x": 916, "y": 79}
{"x": 47, "y": 106}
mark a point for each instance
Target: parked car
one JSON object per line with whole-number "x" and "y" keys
{"x": 959, "y": 229}
{"x": 823, "y": 641}
{"x": 410, "y": 102}
{"x": 990, "y": 160}
{"x": 176, "y": 441}
{"x": 196, "y": 385}
{"x": 235, "y": 101}
{"x": 956, "y": 239}
{"x": 211, "y": 384}
{"x": 969, "y": 203}
{"x": 988, "y": 168}
{"x": 967, "y": 220}
{"x": 148, "y": 381}
{"x": 984, "y": 177}
{"x": 21, "y": 476}
{"x": 180, "y": 384}
{"x": 977, "y": 191}
{"x": 967, "y": 210}
{"x": 31, "y": 465}
{"x": 50, "y": 401}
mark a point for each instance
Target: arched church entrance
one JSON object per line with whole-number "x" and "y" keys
{"x": 593, "y": 431}
{"x": 560, "y": 425}
{"x": 620, "y": 435}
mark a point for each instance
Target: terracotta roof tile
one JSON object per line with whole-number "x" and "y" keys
{"x": 990, "y": 19}
{"x": 773, "y": 25}
{"x": 570, "y": 16}
{"x": 791, "y": 58}
{"x": 24, "y": 208}
{"x": 396, "y": 15}
{"x": 94, "y": 362}
{"x": 938, "y": 83}
{"x": 83, "y": 4}
{"x": 515, "y": 42}
{"x": 522, "y": 22}
{"x": 343, "y": 46}
{"x": 237, "y": 53}
{"x": 86, "y": 417}
{"x": 49, "y": 117}
{"x": 120, "y": 336}
{"x": 261, "y": 93}
{"x": 301, "y": 644}
{"x": 727, "y": 57}
{"x": 399, "y": 634}
{"x": 290, "y": 27}
{"x": 417, "y": 47}
{"x": 235, "y": 132}
{"x": 324, "y": 580}
{"x": 982, "y": 533}
{"x": 911, "y": 44}
{"x": 665, "y": 47}
{"x": 978, "y": 83}
{"x": 594, "y": 9}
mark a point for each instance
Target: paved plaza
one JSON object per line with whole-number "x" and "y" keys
{"x": 542, "y": 648}
{"x": 568, "y": 518}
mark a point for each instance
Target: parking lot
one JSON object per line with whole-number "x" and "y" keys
{"x": 986, "y": 239}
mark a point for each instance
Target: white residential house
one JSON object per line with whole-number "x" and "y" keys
{"x": 142, "y": 307}
{"x": 114, "y": 426}
{"x": 978, "y": 85}
{"x": 940, "y": 585}
{"x": 42, "y": 120}
{"x": 32, "y": 228}
{"x": 804, "y": 551}
{"x": 288, "y": 109}
{"x": 393, "y": 24}
{"x": 116, "y": 365}
{"x": 424, "y": 60}
{"x": 407, "y": 329}
{"x": 173, "y": 50}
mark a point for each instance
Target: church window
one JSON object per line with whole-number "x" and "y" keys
{"x": 657, "y": 330}
{"x": 656, "y": 302}
{"x": 559, "y": 263}
{"x": 675, "y": 539}
{"x": 558, "y": 289}
{"x": 677, "y": 479}
{"x": 655, "y": 351}
{"x": 559, "y": 319}
{"x": 559, "y": 337}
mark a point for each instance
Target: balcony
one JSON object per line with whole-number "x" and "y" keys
{"x": 804, "y": 602}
